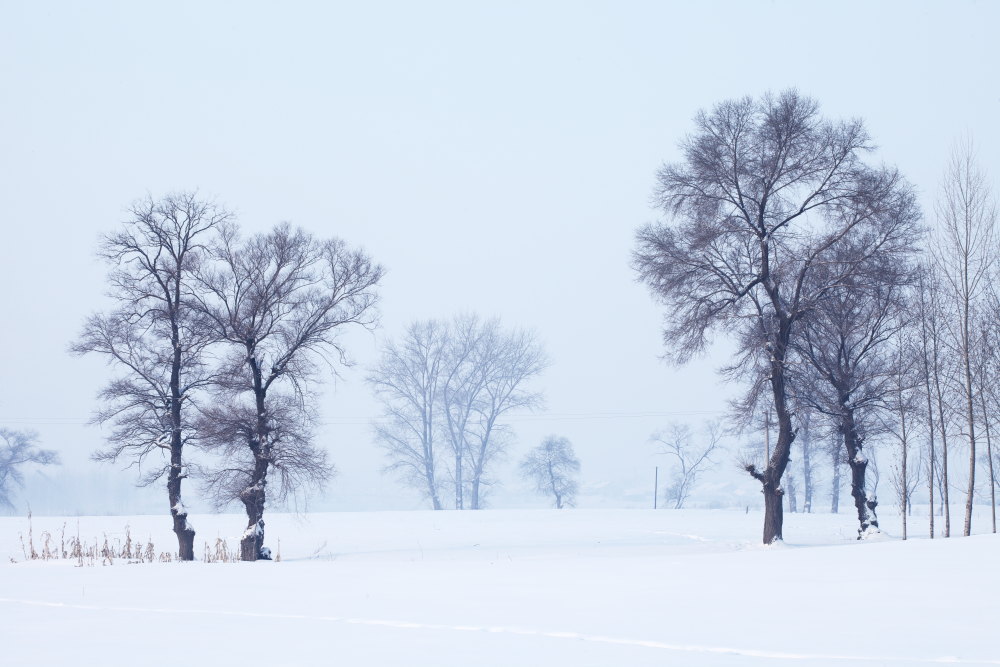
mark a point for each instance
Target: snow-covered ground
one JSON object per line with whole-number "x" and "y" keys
{"x": 577, "y": 587}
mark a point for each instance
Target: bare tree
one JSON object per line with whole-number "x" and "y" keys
{"x": 406, "y": 381}
{"x": 988, "y": 365}
{"x": 156, "y": 339}
{"x": 279, "y": 301}
{"x": 677, "y": 441}
{"x": 19, "y": 449}
{"x": 766, "y": 192}
{"x": 463, "y": 383}
{"x": 451, "y": 384}
{"x": 847, "y": 343}
{"x": 965, "y": 251}
{"x": 552, "y": 467}
{"x": 924, "y": 319}
{"x": 903, "y": 380}
{"x": 939, "y": 369}
{"x": 509, "y": 361}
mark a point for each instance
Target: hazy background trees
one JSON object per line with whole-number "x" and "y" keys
{"x": 767, "y": 191}
{"x": 552, "y": 467}
{"x": 691, "y": 454}
{"x": 445, "y": 389}
{"x": 965, "y": 249}
{"x": 19, "y": 449}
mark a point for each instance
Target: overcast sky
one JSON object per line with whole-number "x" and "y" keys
{"x": 495, "y": 157}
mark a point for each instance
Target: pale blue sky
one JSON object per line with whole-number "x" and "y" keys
{"x": 496, "y": 157}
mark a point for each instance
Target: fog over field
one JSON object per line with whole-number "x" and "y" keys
{"x": 510, "y": 333}
{"x": 495, "y": 159}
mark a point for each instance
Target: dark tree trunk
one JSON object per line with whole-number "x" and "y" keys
{"x": 254, "y": 495}
{"x": 183, "y": 530}
{"x": 252, "y": 544}
{"x": 178, "y": 511}
{"x": 858, "y": 462}
{"x": 773, "y": 512}
{"x": 770, "y": 477}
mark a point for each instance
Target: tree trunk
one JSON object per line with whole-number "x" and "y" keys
{"x": 254, "y": 495}
{"x": 458, "y": 480}
{"x": 252, "y": 544}
{"x": 176, "y": 473}
{"x": 931, "y": 456}
{"x": 970, "y": 416}
{"x": 864, "y": 503}
{"x": 474, "y": 502}
{"x": 552, "y": 483}
{"x": 807, "y": 481}
{"x": 790, "y": 493}
{"x": 945, "y": 503}
{"x": 835, "y": 490}
{"x": 773, "y": 512}
{"x": 770, "y": 478}
{"x": 182, "y": 528}
{"x": 989, "y": 456}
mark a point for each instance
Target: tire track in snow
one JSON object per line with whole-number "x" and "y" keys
{"x": 601, "y": 639}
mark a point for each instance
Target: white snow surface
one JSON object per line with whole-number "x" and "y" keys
{"x": 620, "y": 588}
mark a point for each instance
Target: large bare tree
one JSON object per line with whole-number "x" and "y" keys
{"x": 965, "y": 251}
{"x": 765, "y": 191}
{"x": 279, "y": 301}
{"x": 156, "y": 339}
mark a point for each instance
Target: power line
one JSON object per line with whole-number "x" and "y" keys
{"x": 539, "y": 417}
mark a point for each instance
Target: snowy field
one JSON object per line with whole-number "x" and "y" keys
{"x": 576, "y": 587}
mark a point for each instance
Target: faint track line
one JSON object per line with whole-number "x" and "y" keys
{"x": 601, "y": 639}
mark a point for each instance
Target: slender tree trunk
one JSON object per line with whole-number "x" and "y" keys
{"x": 835, "y": 486}
{"x": 458, "y": 479}
{"x": 176, "y": 473}
{"x": 904, "y": 482}
{"x": 970, "y": 416}
{"x": 807, "y": 480}
{"x": 989, "y": 455}
{"x": 552, "y": 483}
{"x": 945, "y": 503}
{"x": 791, "y": 492}
{"x": 474, "y": 504}
{"x": 930, "y": 430}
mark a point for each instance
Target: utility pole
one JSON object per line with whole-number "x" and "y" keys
{"x": 656, "y": 486}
